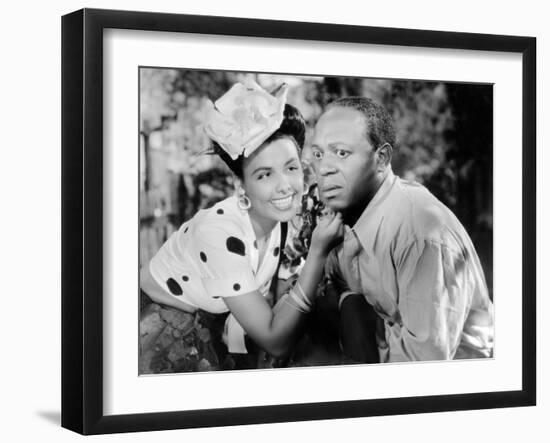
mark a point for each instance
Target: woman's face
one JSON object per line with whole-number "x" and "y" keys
{"x": 273, "y": 181}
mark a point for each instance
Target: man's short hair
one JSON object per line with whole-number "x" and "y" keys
{"x": 379, "y": 123}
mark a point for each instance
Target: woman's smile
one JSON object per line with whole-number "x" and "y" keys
{"x": 283, "y": 204}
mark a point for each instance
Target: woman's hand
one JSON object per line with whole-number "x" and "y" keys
{"x": 328, "y": 232}
{"x": 275, "y": 330}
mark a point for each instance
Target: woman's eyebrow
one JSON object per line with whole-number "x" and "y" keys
{"x": 261, "y": 168}
{"x": 268, "y": 168}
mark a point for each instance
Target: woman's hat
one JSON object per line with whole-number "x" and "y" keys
{"x": 244, "y": 117}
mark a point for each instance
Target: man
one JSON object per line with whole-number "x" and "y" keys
{"x": 404, "y": 252}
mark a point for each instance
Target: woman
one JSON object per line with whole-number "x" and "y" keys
{"x": 225, "y": 257}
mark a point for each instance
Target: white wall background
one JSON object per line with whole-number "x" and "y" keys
{"x": 30, "y": 92}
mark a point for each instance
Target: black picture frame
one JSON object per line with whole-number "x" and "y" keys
{"x": 82, "y": 220}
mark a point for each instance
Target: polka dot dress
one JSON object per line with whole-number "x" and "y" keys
{"x": 213, "y": 256}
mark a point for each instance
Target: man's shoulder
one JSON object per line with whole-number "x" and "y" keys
{"x": 412, "y": 203}
{"x": 427, "y": 216}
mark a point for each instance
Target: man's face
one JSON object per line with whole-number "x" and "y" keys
{"x": 344, "y": 160}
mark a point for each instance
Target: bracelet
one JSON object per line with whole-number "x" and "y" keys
{"x": 302, "y": 294}
{"x": 288, "y": 300}
{"x": 301, "y": 304}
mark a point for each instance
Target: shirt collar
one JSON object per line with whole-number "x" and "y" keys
{"x": 361, "y": 226}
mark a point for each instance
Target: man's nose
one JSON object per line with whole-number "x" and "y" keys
{"x": 325, "y": 167}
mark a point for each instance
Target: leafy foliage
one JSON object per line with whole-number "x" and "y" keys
{"x": 444, "y": 140}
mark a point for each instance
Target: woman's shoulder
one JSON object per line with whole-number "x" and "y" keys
{"x": 222, "y": 219}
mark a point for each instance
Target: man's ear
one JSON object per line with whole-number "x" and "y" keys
{"x": 384, "y": 154}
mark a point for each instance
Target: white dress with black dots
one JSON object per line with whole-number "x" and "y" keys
{"x": 213, "y": 256}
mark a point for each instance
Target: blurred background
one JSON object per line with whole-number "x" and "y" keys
{"x": 444, "y": 141}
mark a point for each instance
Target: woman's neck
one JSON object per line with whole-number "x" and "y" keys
{"x": 262, "y": 226}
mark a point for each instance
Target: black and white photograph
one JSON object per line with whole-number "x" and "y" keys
{"x": 265, "y": 226}
{"x": 290, "y": 220}
{"x": 273, "y": 222}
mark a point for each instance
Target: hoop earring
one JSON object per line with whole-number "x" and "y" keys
{"x": 243, "y": 201}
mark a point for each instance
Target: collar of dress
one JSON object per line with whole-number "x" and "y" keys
{"x": 258, "y": 263}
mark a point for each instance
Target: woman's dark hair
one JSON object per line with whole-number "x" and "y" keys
{"x": 293, "y": 126}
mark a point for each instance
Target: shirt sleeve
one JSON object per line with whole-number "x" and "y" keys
{"x": 222, "y": 252}
{"x": 434, "y": 286}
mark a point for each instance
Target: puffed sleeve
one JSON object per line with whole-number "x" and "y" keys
{"x": 222, "y": 253}
{"x": 434, "y": 297}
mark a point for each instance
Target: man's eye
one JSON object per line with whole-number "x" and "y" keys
{"x": 341, "y": 153}
{"x": 262, "y": 176}
{"x": 293, "y": 168}
{"x": 318, "y": 155}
